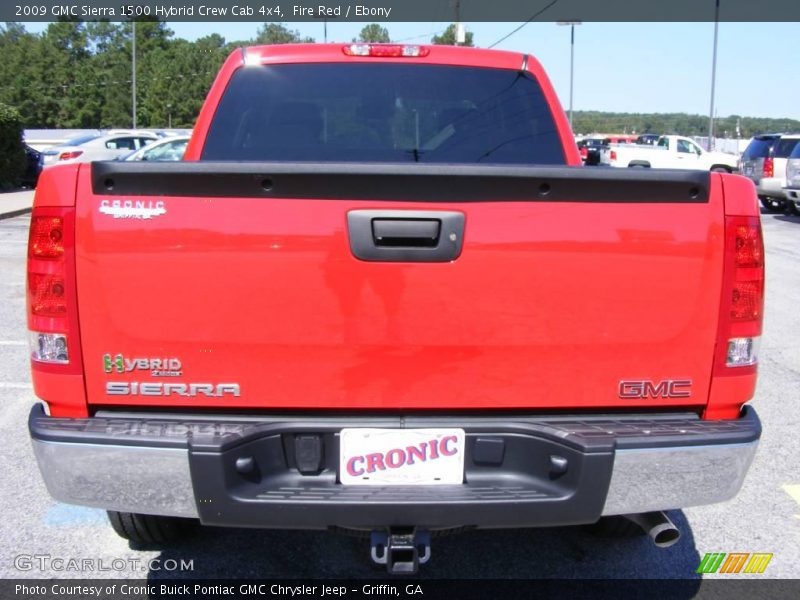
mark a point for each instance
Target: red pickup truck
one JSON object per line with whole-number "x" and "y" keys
{"x": 382, "y": 294}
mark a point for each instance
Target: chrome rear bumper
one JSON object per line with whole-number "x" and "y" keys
{"x": 144, "y": 465}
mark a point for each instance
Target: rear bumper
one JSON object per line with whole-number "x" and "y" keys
{"x": 771, "y": 187}
{"x": 187, "y": 466}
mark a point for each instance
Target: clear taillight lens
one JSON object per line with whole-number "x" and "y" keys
{"x": 743, "y": 352}
{"x": 49, "y": 347}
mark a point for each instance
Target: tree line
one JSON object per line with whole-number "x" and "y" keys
{"x": 78, "y": 75}
{"x": 733, "y": 126}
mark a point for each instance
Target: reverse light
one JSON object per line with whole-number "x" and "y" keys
{"x": 385, "y": 50}
{"x": 742, "y": 352}
{"x": 70, "y": 155}
{"x": 49, "y": 347}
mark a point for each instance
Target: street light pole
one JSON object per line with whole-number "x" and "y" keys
{"x": 571, "y": 62}
{"x": 133, "y": 75}
{"x": 713, "y": 80}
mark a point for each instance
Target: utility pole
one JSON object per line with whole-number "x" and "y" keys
{"x": 133, "y": 75}
{"x": 713, "y": 79}
{"x": 571, "y": 62}
{"x": 460, "y": 33}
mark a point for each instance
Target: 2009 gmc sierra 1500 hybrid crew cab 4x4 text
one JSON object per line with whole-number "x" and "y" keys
{"x": 382, "y": 294}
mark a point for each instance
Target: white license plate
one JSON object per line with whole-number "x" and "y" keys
{"x": 401, "y": 456}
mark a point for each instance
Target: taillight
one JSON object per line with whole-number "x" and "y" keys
{"x": 613, "y": 155}
{"x": 742, "y": 295}
{"x": 50, "y": 286}
{"x": 386, "y": 50}
{"x": 769, "y": 168}
{"x": 70, "y": 155}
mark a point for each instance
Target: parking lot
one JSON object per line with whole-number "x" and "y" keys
{"x": 764, "y": 517}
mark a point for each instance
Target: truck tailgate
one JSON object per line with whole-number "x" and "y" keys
{"x": 236, "y": 287}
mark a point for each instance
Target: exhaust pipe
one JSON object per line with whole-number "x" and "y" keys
{"x": 658, "y": 526}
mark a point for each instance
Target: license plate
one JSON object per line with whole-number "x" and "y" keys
{"x": 401, "y": 456}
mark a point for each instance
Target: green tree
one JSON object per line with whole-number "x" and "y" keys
{"x": 12, "y": 154}
{"x": 373, "y": 33}
{"x": 273, "y": 33}
{"x": 448, "y": 37}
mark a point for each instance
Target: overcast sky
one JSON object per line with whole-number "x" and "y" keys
{"x": 623, "y": 67}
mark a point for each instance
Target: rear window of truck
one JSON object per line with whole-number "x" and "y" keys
{"x": 383, "y": 113}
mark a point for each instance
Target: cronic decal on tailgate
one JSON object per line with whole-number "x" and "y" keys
{"x": 133, "y": 209}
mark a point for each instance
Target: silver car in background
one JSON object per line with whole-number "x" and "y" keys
{"x": 166, "y": 149}
{"x": 87, "y": 148}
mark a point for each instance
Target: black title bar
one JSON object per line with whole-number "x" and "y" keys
{"x": 402, "y": 10}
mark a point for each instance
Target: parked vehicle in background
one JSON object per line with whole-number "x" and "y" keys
{"x": 792, "y": 188}
{"x": 262, "y": 335}
{"x": 621, "y": 139}
{"x": 671, "y": 152}
{"x": 110, "y": 146}
{"x": 764, "y": 161}
{"x": 33, "y": 166}
{"x": 648, "y": 139}
{"x": 165, "y": 149}
{"x": 758, "y": 164}
{"x": 589, "y": 149}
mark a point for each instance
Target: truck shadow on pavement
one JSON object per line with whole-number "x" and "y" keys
{"x": 561, "y": 552}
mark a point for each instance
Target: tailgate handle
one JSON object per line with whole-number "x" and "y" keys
{"x": 405, "y": 235}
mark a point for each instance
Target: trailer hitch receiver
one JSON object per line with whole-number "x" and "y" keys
{"x": 401, "y": 549}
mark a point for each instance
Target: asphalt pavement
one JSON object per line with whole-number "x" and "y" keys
{"x": 764, "y": 517}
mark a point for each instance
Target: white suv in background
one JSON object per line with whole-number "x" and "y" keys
{"x": 109, "y": 146}
{"x": 792, "y": 188}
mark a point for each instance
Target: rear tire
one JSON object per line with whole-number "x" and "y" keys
{"x": 773, "y": 205}
{"x": 151, "y": 529}
{"x": 615, "y": 527}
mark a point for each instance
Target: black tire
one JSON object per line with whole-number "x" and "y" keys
{"x": 773, "y": 205}
{"x": 792, "y": 208}
{"x": 615, "y": 527}
{"x": 150, "y": 529}
{"x": 720, "y": 169}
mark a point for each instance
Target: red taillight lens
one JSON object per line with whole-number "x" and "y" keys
{"x": 749, "y": 246}
{"x": 742, "y": 307}
{"x": 386, "y": 50}
{"x": 46, "y": 295}
{"x": 70, "y": 155}
{"x": 613, "y": 155}
{"x": 769, "y": 167}
{"x": 46, "y": 237}
{"x": 51, "y": 292}
{"x": 747, "y": 298}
